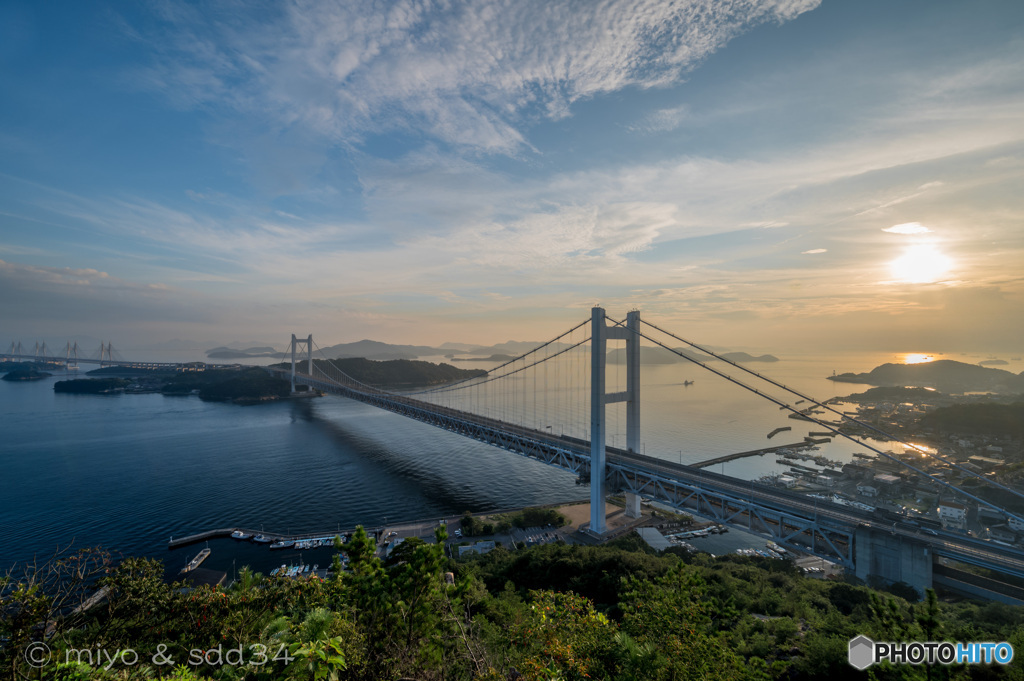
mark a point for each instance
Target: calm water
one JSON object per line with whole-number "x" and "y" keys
{"x": 129, "y": 471}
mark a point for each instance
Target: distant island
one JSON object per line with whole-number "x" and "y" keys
{"x": 492, "y": 358}
{"x": 231, "y": 353}
{"x": 398, "y": 373}
{"x": 895, "y": 394}
{"x": 91, "y": 386}
{"x": 663, "y": 356}
{"x": 23, "y": 372}
{"x": 945, "y": 374}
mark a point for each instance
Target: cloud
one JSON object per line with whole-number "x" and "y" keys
{"x": 661, "y": 120}
{"x": 908, "y": 228}
{"x": 470, "y": 74}
{"x": 814, "y": 251}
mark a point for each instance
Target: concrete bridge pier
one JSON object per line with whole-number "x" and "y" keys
{"x": 892, "y": 557}
{"x": 632, "y": 505}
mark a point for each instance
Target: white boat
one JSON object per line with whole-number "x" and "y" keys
{"x": 238, "y": 534}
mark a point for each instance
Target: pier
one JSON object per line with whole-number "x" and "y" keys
{"x": 742, "y": 455}
{"x": 226, "y": 532}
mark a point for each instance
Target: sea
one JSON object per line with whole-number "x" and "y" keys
{"x": 128, "y": 472}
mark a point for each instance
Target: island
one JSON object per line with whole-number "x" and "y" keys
{"x": 945, "y": 374}
{"x": 253, "y": 385}
{"x": 23, "y": 372}
{"x": 396, "y": 373}
{"x": 230, "y": 353}
{"x": 91, "y": 386}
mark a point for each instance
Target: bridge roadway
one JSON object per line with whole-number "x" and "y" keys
{"x": 823, "y": 527}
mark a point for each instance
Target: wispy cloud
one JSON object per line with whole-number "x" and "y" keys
{"x": 661, "y": 120}
{"x": 469, "y": 74}
{"x": 907, "y": 228}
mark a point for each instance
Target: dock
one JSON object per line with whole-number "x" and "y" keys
{"x": 743, "y": 455}
{"x": 779, "y": 430}
{"x": 226, "y": 532}
{"x": 197, "y": 561}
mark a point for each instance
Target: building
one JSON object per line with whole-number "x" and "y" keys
{"x": 887, "y": 483}
{"x": 985, "y": 463}
{"x": 867, "y": 490}
{"x": 479, "y": 547}
{"x": 952, "y": 512}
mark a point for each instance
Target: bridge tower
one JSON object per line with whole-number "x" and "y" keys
{"x": 308, "y": 342}
{"x": 600, "y": 334}
{"x": 71, "y": 356}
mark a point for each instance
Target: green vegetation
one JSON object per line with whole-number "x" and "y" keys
{"x": 551, "y": 612}
{"x": 895, "y": 394}
{"x": 90, "y": 386}
{"x": 398, "y": 372}
{"x": 473, "y": 526}
{"x": 252, "y": 384}
{"x": 22, "y": 372}
{"x": 989, "y": 419}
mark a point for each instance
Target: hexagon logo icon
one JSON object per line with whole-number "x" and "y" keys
{"x": 862, "y": 652}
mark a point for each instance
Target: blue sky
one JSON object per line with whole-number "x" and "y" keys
{"x": 794, "y": 173}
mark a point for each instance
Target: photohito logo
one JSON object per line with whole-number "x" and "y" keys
{"x": 864, "y": 652}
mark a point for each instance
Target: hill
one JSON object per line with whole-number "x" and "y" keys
{"x": 662, "y": 356}
{"x": 945, "y": 374}
{"x": 370, "y": 349}
{"x": 399, "y": 372}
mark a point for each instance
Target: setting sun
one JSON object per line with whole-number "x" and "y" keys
{"x": 916, "y": 358}
{"x": 920, "y": 264}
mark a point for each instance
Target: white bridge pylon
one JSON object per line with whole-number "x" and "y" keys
{"x": 600, "y": 334}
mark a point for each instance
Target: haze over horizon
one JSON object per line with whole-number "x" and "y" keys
{"x": 775, "y": 174}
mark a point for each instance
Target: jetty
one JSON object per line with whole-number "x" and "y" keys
{"x": 174, "y": 543}
{"x": 742, "y": 455}
{"x": 197, "y": 561}
{"x": 779, "y": 430}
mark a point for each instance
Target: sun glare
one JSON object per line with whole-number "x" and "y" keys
{"x": 920, "y": 264}
{"x": 916, "y": 358}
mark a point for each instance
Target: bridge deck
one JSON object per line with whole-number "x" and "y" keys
{"x": 636, "y": 472}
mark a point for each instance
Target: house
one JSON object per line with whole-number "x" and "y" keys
{"x": 867, "y": 490}
{"x": 952, "y": 512}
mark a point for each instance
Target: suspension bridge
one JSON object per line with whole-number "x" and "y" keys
{"x": 554, "y": 403}
{"x": 566, "y": 381}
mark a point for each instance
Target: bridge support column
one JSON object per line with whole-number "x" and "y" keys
{"x": 308, "y": 342}
{"x": 600, "y": 333}
{"x": 632, "y": 505}
{"x": 598, "y": 356}
{"x": 293, "y": 362}
{"x": 893, "y": 558}
{"x": 633, "y": 381}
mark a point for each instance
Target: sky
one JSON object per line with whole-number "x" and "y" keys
{"x": 784, "y": 175}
